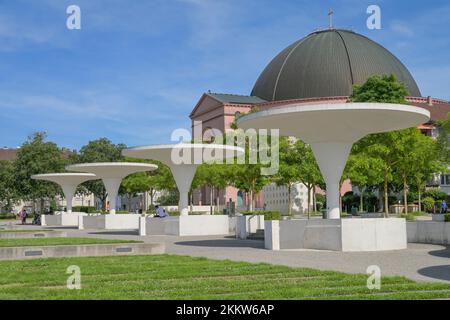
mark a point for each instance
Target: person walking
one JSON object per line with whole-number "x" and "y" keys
{"x": 23, "y": 216}
{"x": 444, "y": 207}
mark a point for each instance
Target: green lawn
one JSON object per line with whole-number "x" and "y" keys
{"x": 180, "y": 277}
{"x": 56, "y": 241}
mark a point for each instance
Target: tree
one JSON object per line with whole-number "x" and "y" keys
{"x": 289, "y": 168}
{"x": 309, "y": 171}
{"x": 149, "y": 181}
{"x": 363, "y": 171}
{"x": 215, "y": 176}
{"x": 380, "y": 89}
{"x": 8, "y": 192}
{"x": 135, "y": 183}
{"x": 160, "y": 179}
{"x": 101, "y": 150}
{"x": 38, "y": 156}
{"x": 419, "y": 160}
{"x": 384, "y": 146}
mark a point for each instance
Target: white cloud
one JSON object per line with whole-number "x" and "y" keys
{"x": 402, "y": 29}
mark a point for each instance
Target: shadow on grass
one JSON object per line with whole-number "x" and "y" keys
{"x": 444, "y": 253}
{"x": 436, "y": 272}
{"x": 223, "y": 243}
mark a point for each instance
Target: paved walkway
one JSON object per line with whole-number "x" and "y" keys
{"x": 420, "y": 262}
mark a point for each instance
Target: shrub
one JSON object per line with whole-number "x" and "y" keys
{"x": 174, "y": 213}
{"x": 84, "y": 209}
{"x": 169, "y": 199}
{"x": 408, "y": 217}
{"x": 268, "y": 215}
{"x": 436, "y": 194}
{"x": 428, "y": 204}
{"x": 7, "y": 216}
{"x": 447, "y": 217}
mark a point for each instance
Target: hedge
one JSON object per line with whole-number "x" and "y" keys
{"x": 84, "y": 209}
{"x": 268, "y": 215}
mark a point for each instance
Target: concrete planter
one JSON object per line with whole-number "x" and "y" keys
{"x": 433, "y": 232}
{"x": 37, "y": 234}
{"x": 349, "y": 235}
{"x": 110, "y": 222}
{"x": 62, "y": 219}
{"x": 90, "y": 250}
{"x": 438, "y": 217}
{"x": 199, "y": 225}
{"x": 245, "y": 225}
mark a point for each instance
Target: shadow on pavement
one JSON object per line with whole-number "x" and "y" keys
{"x": 223, "y": 243}
{"x": 118, "y": 233}
{"x": 444, "y": 253}
{"x": 436, "y": 272}
{"x": 61, "y": 228}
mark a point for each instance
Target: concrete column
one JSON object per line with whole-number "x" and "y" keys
{"x": 80, "y": 222}
{"x": 183, "y": 175}
{"x": 112, "y": 186}
{"x": 272, "y": 235}
{"x": 142, "y": 226}
{"x": 331, "y": 158}
{"x": 69, "y": 191}
{"x": 43, "y": 222}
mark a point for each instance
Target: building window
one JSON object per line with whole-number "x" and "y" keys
{"x": 445, "y": 179}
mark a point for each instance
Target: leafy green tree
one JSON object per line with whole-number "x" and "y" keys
{"x": 37, "y": 156}
{"x": 135, "y": 183}
{"x": 380, "y": 89}
{"x": 386, "y": 147}
{"x": 101, "y": 150}
{"x": 363, "y": 171}
{"x": 289, "y": 167}
{"x": 309, "y": 171}
{"x": 8, "y": 192}
{"x": 215, "y": 176}
{"x": 419, "y": 160}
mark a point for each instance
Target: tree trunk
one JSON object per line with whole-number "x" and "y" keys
{"x": 386, "y": 203}
{"x": 250, "y": 201}
{"x": 361, "y": 199}
{"x": 211, "y": 197}
{"x": 309, "y": 200}
{"x": 405, "y": 194}
{"x": 151, "y": 196}
{"x": 314, "y": 198}
{"x": 420, "y": 196}
{"x": 42, "y": 206}
{"x": 289, "y": 199}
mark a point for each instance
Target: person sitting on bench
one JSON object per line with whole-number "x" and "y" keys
{"x": 160, "y": 212}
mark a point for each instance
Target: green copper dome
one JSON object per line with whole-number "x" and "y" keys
{"x": 326, "y": 64}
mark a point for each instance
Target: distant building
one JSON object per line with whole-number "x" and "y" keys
{"x": 318, "y": 69}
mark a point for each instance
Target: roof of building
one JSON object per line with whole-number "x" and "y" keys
{"x": 11, "y": 153}
{"x": 8, "y": 154}
{"x": 328, "y": 63}
{"x": 235, "y": 98}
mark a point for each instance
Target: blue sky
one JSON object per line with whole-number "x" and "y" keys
{"x": 136, "y": 68}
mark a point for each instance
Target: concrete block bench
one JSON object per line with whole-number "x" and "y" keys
{"x": 62, "y": 219}
{"x": 431, "y": 232}
{"x": 34, "y": 234}
{"x": 348, "y": 235}
{"x": 198, "y": 225}
{"x": 110, "y": 221}
{"x": 88, "y": 250}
